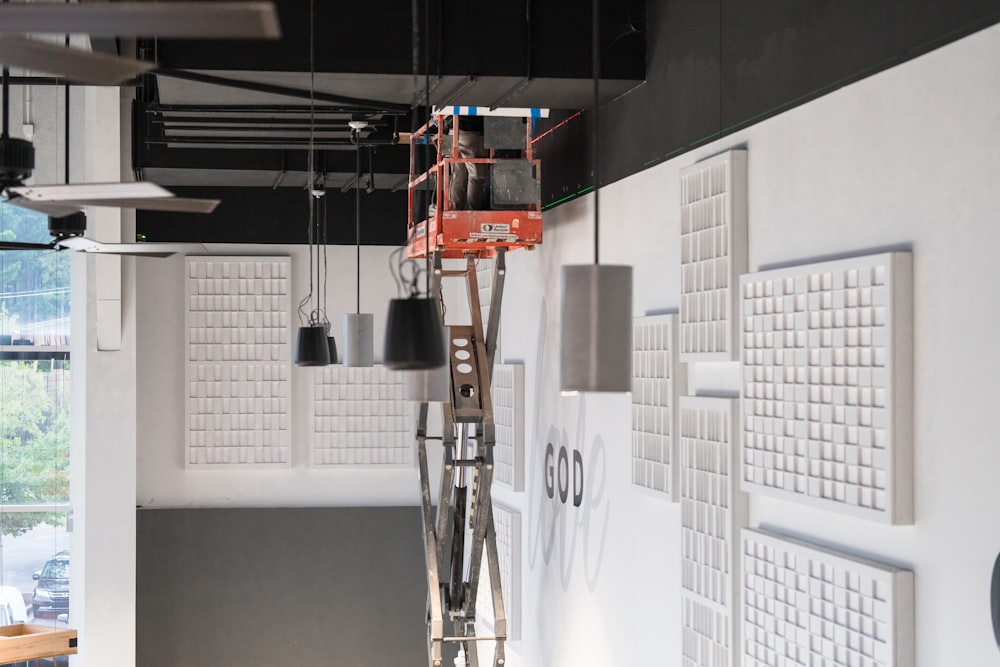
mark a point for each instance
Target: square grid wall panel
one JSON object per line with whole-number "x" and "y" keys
{"x": 508, "y": 414}
{"x": 359, "y": 417}
{"x": 656, "y": 379}
{"x": 237, "y": 336}
{"x": 713, "y": 255}
{"x": 827, "y": 376}
{"x": 507, "y": 522}
{"x": 713, "y": 510}
{"x": 807, "y": 605}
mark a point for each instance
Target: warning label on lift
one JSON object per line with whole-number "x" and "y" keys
{"x": 493, "y": 235}
{"x": 499, "y": 231}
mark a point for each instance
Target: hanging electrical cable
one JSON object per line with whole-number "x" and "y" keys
{"x": 414, "y": 334}
{"x": 312, "y": 344}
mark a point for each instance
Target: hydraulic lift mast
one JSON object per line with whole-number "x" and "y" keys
{"x": 459, "y": 530}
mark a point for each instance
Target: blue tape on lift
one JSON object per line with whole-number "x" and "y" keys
{"x": 536, "y": 113}
{"x": 473, "y": 111}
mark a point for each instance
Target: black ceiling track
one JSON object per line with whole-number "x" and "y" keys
{"x": 710, "y": 69}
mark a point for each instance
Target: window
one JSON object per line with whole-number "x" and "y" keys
{"x": 34, "y": 422}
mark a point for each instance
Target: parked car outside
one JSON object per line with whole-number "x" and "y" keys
{"x": 52, "y": 590}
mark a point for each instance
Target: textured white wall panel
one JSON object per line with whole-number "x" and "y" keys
{"x": 713, "y": 509}
{"x": 806, "y": 605}
{"x": 507, "y": 522}
{"x": 237, "y": 336}
{"x": 657, "y": 379}
{"x": 827, "y": 385}
{"x": 359, "y": 417}
{"x": 713, "y": 254}
{"x": 508, "y": 415}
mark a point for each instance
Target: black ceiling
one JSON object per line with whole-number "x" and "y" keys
{"x": 711, "y": 68}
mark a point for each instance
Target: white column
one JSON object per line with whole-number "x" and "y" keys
{"x": 103, "y": 433}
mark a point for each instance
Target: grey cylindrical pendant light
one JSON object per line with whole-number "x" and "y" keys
{"x": 359, "y": 328}
{"x": 995, "y": 600}
{"x": 359, "y": 339}
{"x": 596, "y": 320}
{"x": 431, "y": 386}
{"x": 596, "y": 314}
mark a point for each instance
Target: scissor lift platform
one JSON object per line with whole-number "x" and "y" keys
{"x": 456, "y": 233}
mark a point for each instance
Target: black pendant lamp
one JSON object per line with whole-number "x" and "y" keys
{"x": 314, "y": 346}
{"x": 414, "y": 337}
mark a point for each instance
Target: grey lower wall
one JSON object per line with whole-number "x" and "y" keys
{"x": 309, "y": 586}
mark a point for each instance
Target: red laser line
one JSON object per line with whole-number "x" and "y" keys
{"x": 551, "y": 130}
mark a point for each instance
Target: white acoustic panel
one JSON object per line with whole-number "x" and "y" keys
{"x": 827, "y": 375}
{"x": 713, "y": 255}
{"x": 507, "y": 522}
{"x": 656, "y": 380}
{"x": 807, "y": 605}
{"x": 706, "y": 635}
{"x": 508, "y": 415}
{"x": 713, "y": 510}
{"x": 359, "y": 417}
{"x": 237, "y": 336}
{"x": 484, "y": 279}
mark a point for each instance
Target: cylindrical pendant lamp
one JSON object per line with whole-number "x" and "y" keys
{"x": 312, "y": 347}
{"x": 596, "y": 321}
{"x": 995, "y": 600}
{"x": 596, "y": 313}
{"x": 359, "y": 339}
{"x": 414, "y": 335}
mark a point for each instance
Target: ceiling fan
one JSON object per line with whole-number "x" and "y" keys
{"x": 62, "y": 203}
{"x": 234, "y": 20}
{"x": 68, "y": 233}
{"x": 176, "y": 20}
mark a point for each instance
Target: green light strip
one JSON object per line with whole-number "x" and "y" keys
{"x": 568, "y": 197}
{"x": 811, "y": 94}
{"x": 971, "y": 27}
{"x": 818, "y": 92}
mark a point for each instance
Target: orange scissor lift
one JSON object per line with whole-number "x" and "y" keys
{"x": 456, "y": 233}
{"x": 459, "y": 533}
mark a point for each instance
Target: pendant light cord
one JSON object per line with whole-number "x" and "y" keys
{"x": 594, "y": 143}
{"x": 6, "y": 98}
{"x": 357, "y": 225}
{"x": 6, "y": 101}
{"x": 427, "y": 106}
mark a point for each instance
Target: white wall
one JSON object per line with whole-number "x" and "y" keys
{"x": 907, "y": 158}
{"x": 162, "y": 478}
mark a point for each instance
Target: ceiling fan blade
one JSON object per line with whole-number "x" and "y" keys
{"x": 170, "y": 204}
{"x": 216, "y": 20}
{"x": 23, "y": 245}
{"x": 99, "y": 69}
{"x": 48, "y": 208}
{"x": 81, "y": 194}
{"x": 84, "y": 244}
